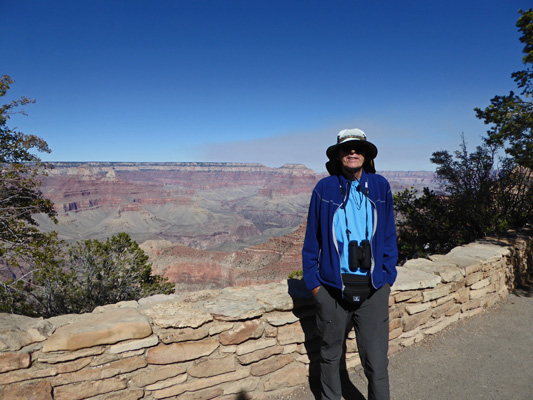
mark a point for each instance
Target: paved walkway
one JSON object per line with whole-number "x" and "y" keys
{"x": 489, "y": 357}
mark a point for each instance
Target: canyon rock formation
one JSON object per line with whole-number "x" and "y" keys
{"x": 200, "y": 205}
{"x": 204, "y": 225}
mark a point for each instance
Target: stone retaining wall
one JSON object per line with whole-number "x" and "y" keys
{"x": 239, "y": 342}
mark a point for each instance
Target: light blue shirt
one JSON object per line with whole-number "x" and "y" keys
{"x": 358, "y": 213}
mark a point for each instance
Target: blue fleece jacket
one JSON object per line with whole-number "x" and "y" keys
{"x": 321, "y": 253}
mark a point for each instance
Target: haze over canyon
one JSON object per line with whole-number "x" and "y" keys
{"x": 204, "y": 225}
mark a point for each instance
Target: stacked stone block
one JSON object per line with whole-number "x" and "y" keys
{"x": 257, "y": 341}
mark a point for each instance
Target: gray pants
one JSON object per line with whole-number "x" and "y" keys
{"x": 371, "y": 324}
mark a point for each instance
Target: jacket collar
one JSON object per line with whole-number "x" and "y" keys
{"x": 343, "y": 179}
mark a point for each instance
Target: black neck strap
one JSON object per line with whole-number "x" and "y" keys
{"x": 345, "y": 203}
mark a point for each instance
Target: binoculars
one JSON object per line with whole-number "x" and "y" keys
{"x": 359, "y": 255}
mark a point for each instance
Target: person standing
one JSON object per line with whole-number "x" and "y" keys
{"x": 349, "y": 261}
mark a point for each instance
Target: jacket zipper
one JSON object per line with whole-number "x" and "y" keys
{"x": 344, "y": 200}
{"x": 374, "y": 226}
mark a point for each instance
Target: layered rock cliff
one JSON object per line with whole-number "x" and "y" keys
{"x": 204, "y": 225}
{"x": 200, "y": 205}
{"x": 194, "y": 269}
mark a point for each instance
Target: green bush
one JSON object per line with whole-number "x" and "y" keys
{"x": 96, "y": 273}
{"x": 296, "y": 274}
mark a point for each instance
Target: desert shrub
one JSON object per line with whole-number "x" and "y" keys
{"x": 296, "y": 274}
{"x": 110, "y": 271}
{"x": 93, "y": 273}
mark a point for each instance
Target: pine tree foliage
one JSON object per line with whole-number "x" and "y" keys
{"x": 511, "y": 116}
{"x": 20, "y": 197}
{"x": 22, "y": 246}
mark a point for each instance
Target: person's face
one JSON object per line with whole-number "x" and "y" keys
{"x": 352, "y": 157}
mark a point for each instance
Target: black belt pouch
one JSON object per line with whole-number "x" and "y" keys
{"x": 356, "y": 288}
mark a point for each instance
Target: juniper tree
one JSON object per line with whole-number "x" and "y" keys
{"x": 23, "y": 248}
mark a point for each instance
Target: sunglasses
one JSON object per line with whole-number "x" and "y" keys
{"x": 348, "y": 147}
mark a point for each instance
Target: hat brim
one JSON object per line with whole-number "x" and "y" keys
{"x": 371, "y": 151}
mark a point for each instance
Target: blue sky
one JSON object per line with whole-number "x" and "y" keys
{"x": 262, "y": 81}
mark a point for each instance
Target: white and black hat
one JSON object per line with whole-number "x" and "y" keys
{"x": 348, "y": 136}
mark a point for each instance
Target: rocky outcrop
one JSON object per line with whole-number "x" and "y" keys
{"x": 257, "y": 341}
{"x": 193, "y": 269}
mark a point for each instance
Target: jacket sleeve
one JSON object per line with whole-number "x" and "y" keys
{"x": 390, "y": 249}
{"x": 312, "y": 243}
